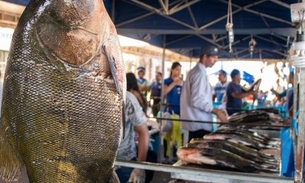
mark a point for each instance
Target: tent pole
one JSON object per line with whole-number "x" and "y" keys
{"x": 160, "y": 157}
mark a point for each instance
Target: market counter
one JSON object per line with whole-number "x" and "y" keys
{"x": 186, "y": 173}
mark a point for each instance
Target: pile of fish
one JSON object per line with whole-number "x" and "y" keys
{"x": 256, "y": 118}
{"x": 238, "y": 150}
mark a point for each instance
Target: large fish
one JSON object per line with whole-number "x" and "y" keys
{"x": 63, "y": 94}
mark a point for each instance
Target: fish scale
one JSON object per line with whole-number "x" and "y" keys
{"x": 62, "y": 120}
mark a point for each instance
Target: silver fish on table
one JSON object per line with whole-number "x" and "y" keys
{"x": 241, "y": 138}
{"x": 238, "y": 149}
{"x": 221, "y": 158}
{"x": 63, "y": 96}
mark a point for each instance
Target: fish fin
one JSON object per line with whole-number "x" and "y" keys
{"x": 113, "y": 53}
{"x": 10, "y": 163}
{"x": 114, "y": 178}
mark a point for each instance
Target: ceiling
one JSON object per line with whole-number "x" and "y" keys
{"x": 186, "y": 25}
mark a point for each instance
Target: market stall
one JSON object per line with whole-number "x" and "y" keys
{"x": 206, "y": 175}
{"x": 190, "y": 173}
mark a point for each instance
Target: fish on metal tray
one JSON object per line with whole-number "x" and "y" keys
{"x": 238, "y": 138}
{"x": 64, "y": 91}
{"x": 220, "y": 157}
{"x": 268, "y": 142}
{"x": 269, "y": 116}
{"x": 238, "y": 149}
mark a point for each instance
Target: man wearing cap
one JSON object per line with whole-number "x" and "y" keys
{"x": 235, "y": 93}
{"x": 221, "y": 86}
{"x": 196, "y": 97}
{"x": 142, "y": 82}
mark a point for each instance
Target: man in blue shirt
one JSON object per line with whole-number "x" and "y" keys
{"x": 196, "y": 99}
{"x": 142, "y": 82}
{"x": 235, "y": 93}
{"x": 156, "y": 87}
{"x": 221, "y": 86}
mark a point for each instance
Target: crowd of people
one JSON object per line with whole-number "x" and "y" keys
{"x": 192, "y": 99}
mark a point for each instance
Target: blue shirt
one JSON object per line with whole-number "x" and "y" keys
{"x": 143, "y": 82}
{"x": 233, "y": 104}
{"x": 173, "y": 97}
{"x": 220, "y": 90}
{"x": 156, "y": 91}
{"x": 196, "y": 100}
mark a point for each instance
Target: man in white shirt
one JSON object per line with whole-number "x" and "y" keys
{"x": 196, "y": 98}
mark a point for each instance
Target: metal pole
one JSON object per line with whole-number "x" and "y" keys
{"x": 162, "y": 98}
{"x": 299, "y": 63}
{"x": 299, "y": 162}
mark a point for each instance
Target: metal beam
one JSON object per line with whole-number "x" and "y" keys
{"x": 238, "y": 41}
{"x": 218, "y": 20}
{"x": 269, "y": 16}
{"x": 188, "y": 4}
{"x": 278, "y": 35}
{"x": 225, "y": 16}
{"x": 261, "y": 14}
{"x": 269, "y": 40}
{"x": 278, "y": 52}
{"x": 241, "y": 51}
{"x": 134, "y": 19}
{"x": 221, "y": 38}
{"x": 284, "y": 31}
{"x": 179, "y": 39}
{"x": 146, "y": 6}
{"x": 192, "y": 17}
{"x": 177, "y": 5}
{"x": 145, "y": 15}
{"x": 210, "y": 41}
{"x": 281, "y": 3}
{"x": 163, "y": 6}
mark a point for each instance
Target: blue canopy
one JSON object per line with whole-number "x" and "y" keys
{"x": 186, "y": 25}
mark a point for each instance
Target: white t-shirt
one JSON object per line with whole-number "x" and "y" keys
{"x": 134, "y": 117}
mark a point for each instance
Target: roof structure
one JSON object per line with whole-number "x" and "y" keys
{"x": 186, "y": 25}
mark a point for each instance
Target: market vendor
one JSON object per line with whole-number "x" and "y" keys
{"x": 288, "y": 94}
{"x": 135, "y": 122}
{"x": 220, "y": 87}
{"x": 196, "y": 97}
{"x": 235, "y": 93}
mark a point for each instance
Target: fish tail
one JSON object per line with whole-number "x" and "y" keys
{"x": 10, "y": 163}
